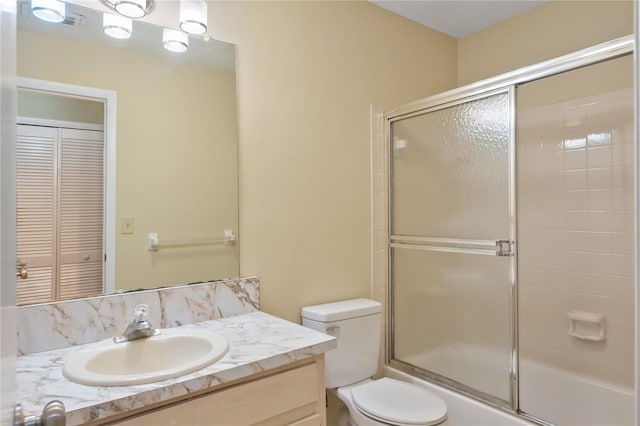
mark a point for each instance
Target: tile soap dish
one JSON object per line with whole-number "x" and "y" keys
{"x": 586, "y": 325}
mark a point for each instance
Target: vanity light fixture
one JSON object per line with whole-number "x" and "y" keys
{"x": 48, "y": 10}
{"x": 130, "y": 8}
{"x": 193, "y": 16}
{"x": 175, "y": 41}
{"x": 116, "y": 26}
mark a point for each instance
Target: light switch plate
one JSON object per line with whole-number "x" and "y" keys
{"x": 126, "y": 225}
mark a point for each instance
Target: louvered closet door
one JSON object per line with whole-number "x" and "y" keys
{"x": 81, "y": 213}
{"x": 36, "y": 218}
{"x": 60, "y": 213}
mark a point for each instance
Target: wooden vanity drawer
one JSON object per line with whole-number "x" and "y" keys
{"x": 294, "y": 396}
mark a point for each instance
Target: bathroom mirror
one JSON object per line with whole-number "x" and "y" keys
{"x": 175, "y": 170}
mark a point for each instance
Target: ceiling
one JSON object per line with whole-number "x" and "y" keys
{"x": 458, "y": 18}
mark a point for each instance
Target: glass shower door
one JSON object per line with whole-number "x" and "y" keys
{"x": 452, "y": 232}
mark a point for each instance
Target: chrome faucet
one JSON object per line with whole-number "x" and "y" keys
{"x": 139, "y": 328}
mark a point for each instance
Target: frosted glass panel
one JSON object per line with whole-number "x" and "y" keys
{"x": 450, "y": 171}
{"x": 451, "y": 316}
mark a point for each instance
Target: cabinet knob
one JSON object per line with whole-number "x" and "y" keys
{"x": 53, "y": 414}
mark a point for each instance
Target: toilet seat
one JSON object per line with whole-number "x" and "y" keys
{"x": 398, "y": 403}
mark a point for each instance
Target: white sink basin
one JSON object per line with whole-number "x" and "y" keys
{"x": 173, "y": 353}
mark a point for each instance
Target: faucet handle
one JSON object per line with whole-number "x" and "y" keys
{"x": 141, "y": 312}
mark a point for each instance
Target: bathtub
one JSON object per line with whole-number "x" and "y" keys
{"x": 546, "y": 393}
{"x": 599, "y": 403}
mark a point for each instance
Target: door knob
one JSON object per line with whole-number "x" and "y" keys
{"x": 22, "y": 272}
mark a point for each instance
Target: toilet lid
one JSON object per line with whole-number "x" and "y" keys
{"x": 396, "y": 402}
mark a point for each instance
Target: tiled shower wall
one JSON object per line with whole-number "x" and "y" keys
{"x": 576, "y": 233}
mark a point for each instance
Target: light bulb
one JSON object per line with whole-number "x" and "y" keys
{"x": 193, "y": 16}
{"x": 48, "y": 10}
{"x": 175, "y": 41}
{"x": 131, "y": 8}
{"x": 116, "y": 26}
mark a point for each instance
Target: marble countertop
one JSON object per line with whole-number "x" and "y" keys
{"x": 258, "y": 342}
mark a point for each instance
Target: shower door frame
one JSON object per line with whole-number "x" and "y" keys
{"x": 465, "y": 246}
{"x": 507, "y": 82}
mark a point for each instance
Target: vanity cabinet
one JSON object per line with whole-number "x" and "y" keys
{"x": 290, "y": 395}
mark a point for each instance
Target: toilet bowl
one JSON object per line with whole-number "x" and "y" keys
{"x": 349, "y": 368}
{"x": 392, "y": 402}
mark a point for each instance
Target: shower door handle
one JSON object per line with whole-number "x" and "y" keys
{"x": 503, "y": 248}
{"x": 506, "y": 248}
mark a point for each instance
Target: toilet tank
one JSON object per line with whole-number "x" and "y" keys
{"x": 356, "y": 326}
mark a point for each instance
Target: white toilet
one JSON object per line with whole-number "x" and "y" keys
{"x": 356, "y": 325}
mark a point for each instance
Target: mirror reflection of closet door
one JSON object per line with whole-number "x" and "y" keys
{"x": 60, "y": 220}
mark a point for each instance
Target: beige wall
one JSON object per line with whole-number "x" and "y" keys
{"x": 177, "y": 180}
{"x": 305, "y": 169}
{"x": 51, "y": 107}
{"x": 307, "y": 75}
{"x": 576, "y": 243}
{"x": 573, "y": 231}
{"x": 553, "y": 29}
